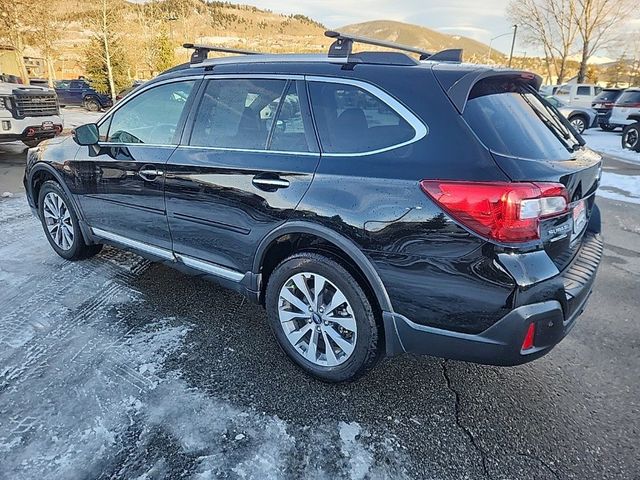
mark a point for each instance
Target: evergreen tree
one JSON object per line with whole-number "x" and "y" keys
{"x": 162, "y": 51}
{"x": 97, "y": 70}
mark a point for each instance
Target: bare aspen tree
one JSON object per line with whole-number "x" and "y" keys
{"x": 551, "y": 25}
{"x": 598, "y": 22}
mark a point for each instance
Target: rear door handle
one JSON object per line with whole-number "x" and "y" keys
{"x": 270, "y": 183}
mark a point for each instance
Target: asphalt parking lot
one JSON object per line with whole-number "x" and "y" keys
{"x": 118, "y": 368}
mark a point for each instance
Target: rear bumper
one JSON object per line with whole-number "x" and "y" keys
{"x": 501, "y": 343}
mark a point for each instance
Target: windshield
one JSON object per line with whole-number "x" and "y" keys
{"x": 511, "y": 119}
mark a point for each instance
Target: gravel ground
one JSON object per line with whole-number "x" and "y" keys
{"x": 118, "y": 368}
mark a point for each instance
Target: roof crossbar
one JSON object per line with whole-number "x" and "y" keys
{"x": 343, "y": 45}
{"x": 201, "y": 52}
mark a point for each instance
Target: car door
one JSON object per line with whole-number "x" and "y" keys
{"x": 121, "y": 181}
{"x": 247, "y": 160}
{"x": 583, "y": 96}
{"x": 76, "y": 92}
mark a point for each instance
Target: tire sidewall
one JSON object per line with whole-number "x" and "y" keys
{"x": 625, "y": 133}
{"x": 368, "y": 330}
{"x": 584, "y": 123}
{"x": 78, "y": 244}
{"x": 89, "y": 102}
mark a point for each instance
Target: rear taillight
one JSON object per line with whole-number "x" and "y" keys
{"x": 502, "y": 211}
{"x": 627, "y": 105}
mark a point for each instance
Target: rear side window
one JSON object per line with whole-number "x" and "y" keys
{"x": 237, "y": 113}
{"x": 352, "y": 120}
{"x": 584, "y": 90}
{"x": 607, "y": 96}
{"x": 510, "y": 119}
{"x": 629, "y": 98}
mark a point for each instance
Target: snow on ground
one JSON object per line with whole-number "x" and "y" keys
{"x": 609, "y": 143}
{"x": 85, "y": 391}
{"x": 75, "y": 116}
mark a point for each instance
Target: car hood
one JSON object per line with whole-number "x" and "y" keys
{"x": 9, "y": 88}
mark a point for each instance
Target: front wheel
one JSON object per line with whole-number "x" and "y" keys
{"x": 579, "y": 123}
{"x": 631, "y": 137}
{"x": 322, "y": 318}
{"x": 60, "y": 224}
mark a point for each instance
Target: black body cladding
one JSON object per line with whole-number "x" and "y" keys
{"x": 227, "y": 211}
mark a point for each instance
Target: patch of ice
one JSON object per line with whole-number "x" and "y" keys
{"x": 359, "y": 457}
{"x": 625, "y": 188}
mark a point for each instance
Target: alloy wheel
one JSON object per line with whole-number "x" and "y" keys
{"x": 317, "y": 319}
{"x": 631, "y": 139}
{"x": 578, "y": 124}
{"x": 58, "y": 221}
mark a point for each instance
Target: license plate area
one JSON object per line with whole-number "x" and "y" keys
{"x": 579, "y": 214}
{"x": 47, "y": 126}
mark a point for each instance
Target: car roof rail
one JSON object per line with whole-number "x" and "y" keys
{"x": 201, "y": 52}
{"x": 343, "y": 45}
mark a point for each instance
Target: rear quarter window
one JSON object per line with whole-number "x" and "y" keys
{"x": 351, "y": 119}
{"x": 629, "y": 98}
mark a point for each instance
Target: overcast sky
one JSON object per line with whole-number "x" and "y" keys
{"x": 478, "y": 19}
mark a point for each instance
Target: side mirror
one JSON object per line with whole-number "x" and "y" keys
{"x": 86, "y": 134}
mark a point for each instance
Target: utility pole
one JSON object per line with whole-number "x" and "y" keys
{"x": 513, "y": 43}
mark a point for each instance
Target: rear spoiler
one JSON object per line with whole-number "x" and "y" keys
{"x": 458, "y": 87}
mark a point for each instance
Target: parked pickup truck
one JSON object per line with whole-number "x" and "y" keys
{"x": 29, "y": 114}
{"x": 577, "y": 94}
{"x": 80, "y": 93}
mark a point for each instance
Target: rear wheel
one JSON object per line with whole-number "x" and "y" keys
{"x": 578, "y": 122}
{"x": 631, "y": 137}
{"x": 60, "y": 224}
{"x": 92, "y": 105}
{"x": 322, "y": 318}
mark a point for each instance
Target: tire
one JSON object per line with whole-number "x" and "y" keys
{"x": 92, "y": 105}
{"x": 631, "y": 137}
{"x": 354, "y": 341}
{"x": 579, "y": 122}
{"x": 66, "y": 240}
{"x": 33, "y": 143}
{"x": 606, "y": 127}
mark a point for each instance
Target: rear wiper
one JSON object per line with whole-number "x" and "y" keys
{"x": 557, "y": 132}
{"x": 556, "y": 119}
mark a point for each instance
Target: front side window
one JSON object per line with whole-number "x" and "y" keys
{"x": 237, "y": 113}
{"x": 151, "y": 117}
{"x": 353, "y": 120}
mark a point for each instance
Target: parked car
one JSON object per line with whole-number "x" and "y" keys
{"x": 626, "y": 112}
{"x": 577, "y": 94}
{"x": 373, "y": 204}
{"x": 603, "y": 104}
{"x": 548, "y": 90}
{"x": 80, "y": 93}
{"x": 28, "y": 114}
{"x": 128, "y": 90}
{"x": 580, "y": 118}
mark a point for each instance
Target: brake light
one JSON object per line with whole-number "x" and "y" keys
{"x": 628, "y": 105}
{"x": 502, "y": 211}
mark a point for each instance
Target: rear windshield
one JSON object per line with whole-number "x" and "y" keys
{"x": 607, "y": 96}
{"x": 629, "y": 97}
{"x": 511, "y": 119}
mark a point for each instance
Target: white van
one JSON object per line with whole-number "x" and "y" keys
{"x": 577, "y": 94}
{"x": 28, "y": 113}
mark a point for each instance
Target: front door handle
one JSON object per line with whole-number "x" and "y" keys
{"x": 270, "y": 183}
{"x": 150, "y": 174}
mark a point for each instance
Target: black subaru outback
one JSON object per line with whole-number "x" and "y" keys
{"x": 374, "y": 203}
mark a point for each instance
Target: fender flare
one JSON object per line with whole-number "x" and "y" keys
{"x": 38, "y": 167}
{"x": 340, "y": 241}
